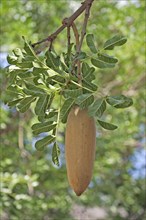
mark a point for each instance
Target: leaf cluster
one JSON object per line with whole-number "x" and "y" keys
{"x": 40, "y": 81}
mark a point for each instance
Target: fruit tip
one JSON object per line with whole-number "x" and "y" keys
{"x": 79, "y": 193}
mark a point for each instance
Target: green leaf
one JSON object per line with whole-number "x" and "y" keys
{"x": 64, "y": 66}
{"x": 38, "y": 64}
{"x": 84, "y": 100}
{"x": 12, "y": 77}
{"x": 90, "y": 43}
{"x": 81, "y": 56}
{"x": 115, "y": 100}
{"x": 88, "y": 85}
{"x": 14, "y": 102}
{"x": 119, "y": 101}
{"x": 27, "y": 64}
{"x": 85, "y": 68}
{"x": 25, "y": 74}
{"x": 65, "y": 109}
{"x": 27, "y": 47}
{"x": 34, "y": 90}
{"x": 72, "y": 93}
{"x": 14, "y": 92}
{"x": 88, "y": 72}
{"x": 41, "y": 104}
{"x": 117, "y": 40}
{"x": 106, "y": 58}
{"x": 43, "y": 127}
{"x": 106, "y": 125}
{"x": 52, "y": 61}
{"x": 41, "y": 144}
{"x": 56, "y": 79}
{"x": 101, "y": 63}
{"x": 39, "y": 71}
{"x": 13, "y": 68}
{"x": 44, "y": 124}
{"x": 52, "y": 115}
{"x": 90, "y": 76}
{"x": 55, "y": 154}
{"x": 66, "y": 58}
{"x": 97, "y": 108}
{"x": 94, "y": 107}
{"x": 70, "y": 49}
{"x": 25, "y": 103}
{"x": 37, "y": 80}
{"x": 52, "y": 95}
{"x": 42, "y": 111}
{"x": 15, "y": 89}
{"x": 28, "y": 58}
{"x": 101, "y": 109}
{"x": 18, "y": 52}
{"x": 12, "y": 59}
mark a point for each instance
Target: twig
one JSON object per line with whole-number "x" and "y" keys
{"x": 51, "y": 43}
{"x": 68, "y": 36}
{"x": 68, "y": 22}
{"x": 76, "y": 34}
{"x": 83, "y": 33}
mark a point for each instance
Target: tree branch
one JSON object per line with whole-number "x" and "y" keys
{"x": 66, "y": 23}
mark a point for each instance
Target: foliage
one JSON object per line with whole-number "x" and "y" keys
{"x": 26, "y": 65}
{"x": 31, "y": 186}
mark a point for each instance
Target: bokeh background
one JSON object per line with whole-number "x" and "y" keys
{"x": 32, "y": 188}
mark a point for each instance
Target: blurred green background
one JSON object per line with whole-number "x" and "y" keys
{"x": 31, "y": 186}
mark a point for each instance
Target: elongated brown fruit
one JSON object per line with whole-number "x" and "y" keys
{"x": 80, "y": 142}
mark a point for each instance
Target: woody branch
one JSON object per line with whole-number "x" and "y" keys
{"x": 66, "y": 23}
